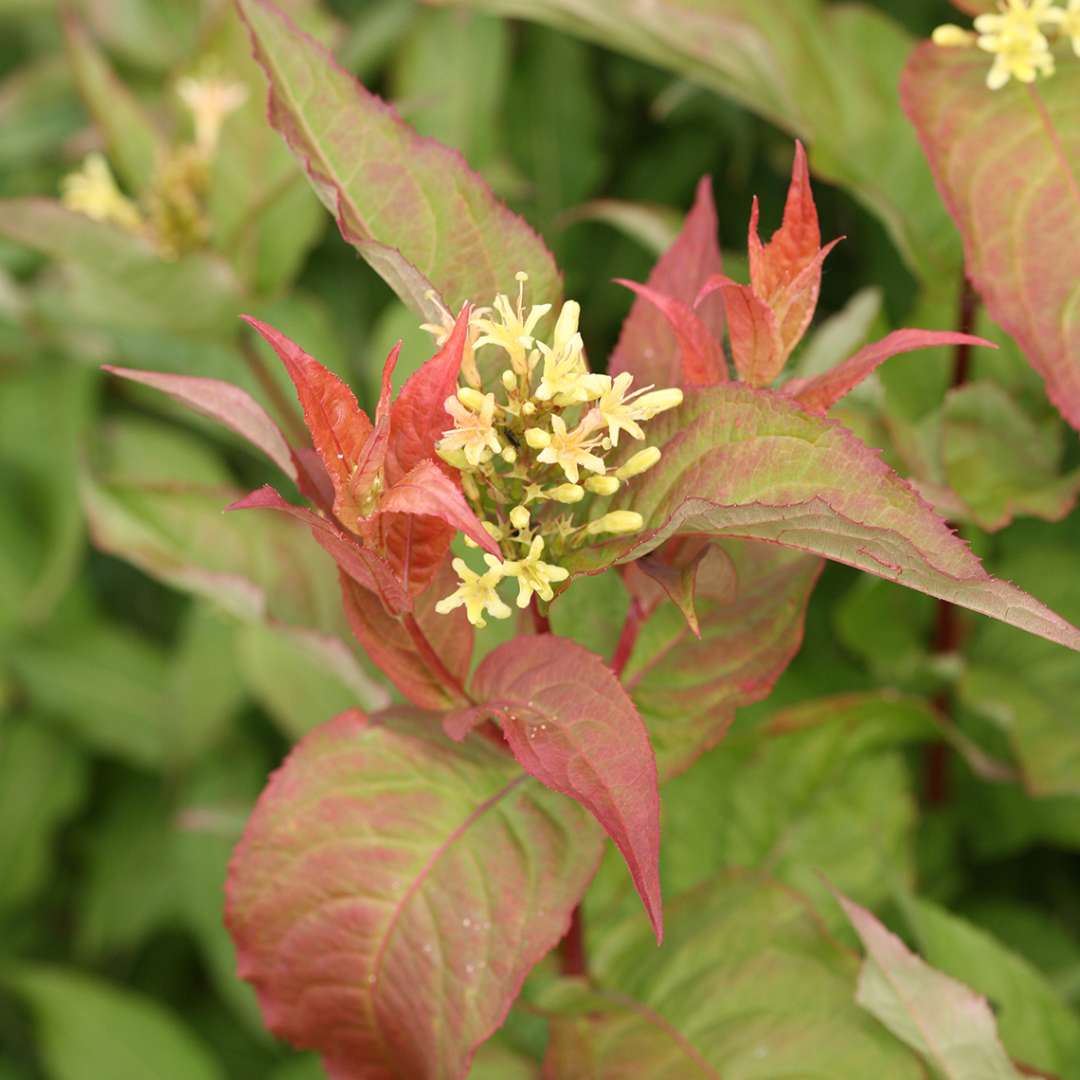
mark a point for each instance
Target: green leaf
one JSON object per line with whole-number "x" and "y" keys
{"x": 133, "y": 143}
{"x": 945, "y": 1021}
{"x": 441, "y": 231}
{"x": 87, "y": 1027}
{"x": 794, "y": 63}
{"x": 748, "y": 986}
{"x": 751, "y": 603}
{"x": 122, "y": 282}
{"x": 747, "y": 463}
{"x": 1019, "y": 249}
{"x": 1000, "y": 461}
{"x": 1036, "y": 1026}
{"x": 43, "y": 780}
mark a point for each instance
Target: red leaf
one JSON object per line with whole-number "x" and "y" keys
{"x": 822, "y": 392}
{"x": 369, "y": 465}
{"x": 1007, "y": 165}
{"x": 419, "y": 416}
{"x": 701, "y": 356}
{"x": 392, "y": 890}
{"x": 360, "y": 563}
{"x": 339, "y": 429}
{"x": 395, "y": 651}
{"x": 671, "y": 571}
{"x": 225, "y": 403}
{"x": 572, "y": 726}
{"x": 647, "y": 347}
{"x": 794, "y": 246}
{"x": 756, "y": 345}
{"x": 427, "y": 490}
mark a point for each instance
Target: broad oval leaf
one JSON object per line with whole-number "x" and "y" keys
{"x": 748, "y": 986}
{"x": 1007, "y": 165}
{"x": 428, "y": 225}
{"x": 393, "y": 889}
{"x": 751, "y": 463}
{"x": 573, "y": 727}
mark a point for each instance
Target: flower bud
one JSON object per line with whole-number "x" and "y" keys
{"x": 602, "y": 485}
{"x": 509, "y": 455}
{"x": 469, "y": 486}
{"x": 566, "y": 493}
{"x": 528, "y": 409}
{"x": 618, "y": 521}
{"x": 470, "y": 398}
{"x": 950, "y": 36}
{"x": 658, "y": 401}
{"x": 537, "y": 438}
{"x": 519, "y": 517}
{"x": 641, "y": 462}
{"x": 509, "y": 381}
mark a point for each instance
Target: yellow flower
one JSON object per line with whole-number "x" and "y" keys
{"x": 473, "y": 431}
{"x": 618, "y": 521}
{"x": 622, "y": 411}
{"x": 533, "y": 575}
{"x": 571, "y": 449}
{"x": 92, "y": 191}
{"x": 641, "y": 462}
{"x": 210, "y": 101}
{"x": 1015, "y": 38}
{"x": 514, "y": 328}
{"x": 1070, "y": 24}
{"x": 565, "y": 379}
{"x": 951, "y": 36}
{"x": 477, "y": 592}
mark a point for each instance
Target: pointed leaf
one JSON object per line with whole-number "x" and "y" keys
{"x": 648, "y": 347}
{"x": 822, "y": 392}
{"x": 748, "y": 986}
{"x": 427, "y": 490}
{"x": 572, "y": 726}
{"x": 756, "y": 344}
{"x": 339, "y": 428}
{"x": 419, "y": 416}
{"x": 134, "y": 144}
{"x": 387, "y": 641}
{"x": 392, "y": 890}
{"x": 361, "y": 563}
{"x": 945, "y": 1021}
{"x": 795, "y": 245}
{"x": 1007, "y": 164}
{"x": 227, "y": 404}
{"x": 701, "y": 356}
{"x": 671, "y": 571}
{"x": 751, "y": 603}
{"x": 751, "y": 463}
{"x": 411, "y": 207}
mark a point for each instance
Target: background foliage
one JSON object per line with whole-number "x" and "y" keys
{"x": 144, "y": 698}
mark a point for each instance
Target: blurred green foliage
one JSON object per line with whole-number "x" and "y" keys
{"x": 143, "y": 699}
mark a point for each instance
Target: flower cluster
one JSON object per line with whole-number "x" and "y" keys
{"x": 172, "y": 211}
{"x": 1019, "y": 37}
{"x": 534, "y": 454}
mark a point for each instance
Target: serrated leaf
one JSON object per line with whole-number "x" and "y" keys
{"x": 748, "y": 463}
{"x": 443, "y": 230}
{"x": 1019, "y": 249}
{"x": 748, "y": 986}
{"x": 392, "y": 890}
{"x": 751, "y": 600}
{"x": 940, "y": 1018}
{"x": 572, "y": 726}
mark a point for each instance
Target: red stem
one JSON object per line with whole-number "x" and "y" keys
{"x": 541, "y": 623}
{"x": 431, "y": 658}
{"x": 572, "y": 947}
{"x": 628, "y": 637}
{"x": 947, "y": 630}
